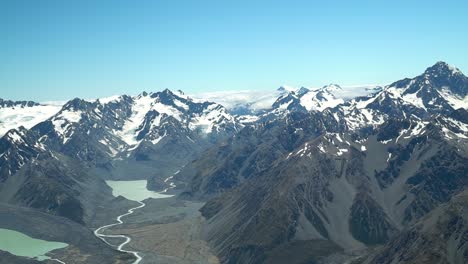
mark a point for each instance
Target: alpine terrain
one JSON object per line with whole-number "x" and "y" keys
{"x": 310, "y": 175}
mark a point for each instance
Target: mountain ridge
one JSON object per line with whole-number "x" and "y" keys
{"x": 314, "y": 170}
{"x": 375, "y": 161}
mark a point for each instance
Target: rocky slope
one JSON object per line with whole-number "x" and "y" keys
{"x": 352, "y": 176}
{"x": 439, "y": 237}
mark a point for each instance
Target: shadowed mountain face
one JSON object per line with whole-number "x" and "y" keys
{"x": 309, "y": 180}
{"x": 353, "y": 175}
{"x": 438, "y": 237}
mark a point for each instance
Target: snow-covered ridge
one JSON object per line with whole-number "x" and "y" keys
{"x": 124, "y": 121}
{"x": 439, "y": 89}
{"x": 28, "y": 114}
{"x": 255, "y": 101}
{"x": 321, "y": 99}
{"x": 454, "y": 100}
{"x": 63, "y": 123}
{"x": 440, "y": 86}
{"x": 313, "y": 99}
{"x": 205, "y": 117}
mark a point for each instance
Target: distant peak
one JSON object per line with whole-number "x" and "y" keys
{"x": 332, "y": 87}
{"x": 441, "y": 67}
{"x": 167, "y": 91}
{"x": 285, "y": 88}
{"x": 179, "y": 93}
{"x": 9, "y": 103}
{"x": 75, "y": 103}
{"x": 168, "y": 95}
{"x": 441, "y": 63}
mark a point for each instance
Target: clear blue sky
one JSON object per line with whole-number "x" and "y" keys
{"x": 52, "y": 50}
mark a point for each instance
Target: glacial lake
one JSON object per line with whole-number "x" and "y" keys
{"x": 22, "y": 245}
{"x": 134, "y": 190}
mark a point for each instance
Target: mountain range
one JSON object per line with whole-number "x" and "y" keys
{"x": 316, "y": 176}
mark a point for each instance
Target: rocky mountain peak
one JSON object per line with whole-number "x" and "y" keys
{"x": 76, "y": 104}
{"x": 442, "y": 68}
{"x": 286, "y": 89}
{"x": 303, "y": 90}
{"x": 441, "y": 88}
{"x": 177, "y": 99}
{"x": 16, "y": 135}
{"x": 167, "y": 92}
{"x": 443, "y": 76}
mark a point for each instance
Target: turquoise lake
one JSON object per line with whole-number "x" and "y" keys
{"x": 20, "y": 244}
{"x": 134, "y": 190}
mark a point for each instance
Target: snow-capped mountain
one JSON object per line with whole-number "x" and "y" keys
{"x": 16, "y": 149}
{"x": 313, "y": 170}
{"x": 150, "y": 112}
{"x": 349, "y": 177}
{"x": 134, "y": 119}
{"x": 247, "y": 104}
{"x": 321, "y": 99}
{"x": 441, "y": 88}
{"x": 125, "y": 136}
{"x": 436, "y": 91}
{"x": 309, "y": 100}
{"x": 57, "y": 165}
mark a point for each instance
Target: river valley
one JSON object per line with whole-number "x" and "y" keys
{"x": 131, "y": 190}
{"x": 153, "y": 227}
{"x": 159, "y": 229}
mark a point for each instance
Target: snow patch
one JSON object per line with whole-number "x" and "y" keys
{"x": 141, "y": 105}
{"x": 341, "y": 151}
{"x": 106, "y": 100}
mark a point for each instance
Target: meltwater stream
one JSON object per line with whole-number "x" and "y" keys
{"x": 135, "y": 191}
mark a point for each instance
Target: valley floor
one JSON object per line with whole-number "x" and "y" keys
{"x": 164, "y": 231}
